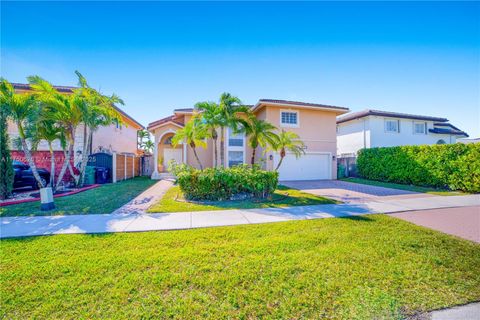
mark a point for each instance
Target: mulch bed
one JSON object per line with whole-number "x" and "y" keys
{"x": 23, "y": 197}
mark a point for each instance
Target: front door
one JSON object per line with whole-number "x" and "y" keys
{"x": 172, "y": 154}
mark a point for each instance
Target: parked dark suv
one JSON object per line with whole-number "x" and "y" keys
{"x": 24, "y": 176}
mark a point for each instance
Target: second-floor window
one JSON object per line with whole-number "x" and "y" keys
{"x": 235, "y": 140}
{"x": 391, "y": 126}
{"x": 289, "y": 118}
{"x": 420, "y": 128}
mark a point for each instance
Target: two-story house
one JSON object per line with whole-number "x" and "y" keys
{"x": 121, "y": 139}
{"x": 374, "y": 128}
{"x": 314, "y": 123}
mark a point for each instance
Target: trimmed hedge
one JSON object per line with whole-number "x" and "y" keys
{"x": 224, "y": 183}
{"x": 453, "y": 166}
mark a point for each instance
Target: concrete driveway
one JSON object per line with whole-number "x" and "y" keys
{"x": 351, "y": 192}
{"x": 463, "y": 222}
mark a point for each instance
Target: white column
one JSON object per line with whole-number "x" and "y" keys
{"x": 185, "y": 152}
{"x": 125, "y": 168}
{"x": 114, "y": 167}
{"x": 133, "y": 166}
{"x": 155, "y": 174}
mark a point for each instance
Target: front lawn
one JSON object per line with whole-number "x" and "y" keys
{"x": 173, "y": 201}
{"x": 439, "y": 192}
{"x": 370, "y": 267}
{"x": 104, "y": 199}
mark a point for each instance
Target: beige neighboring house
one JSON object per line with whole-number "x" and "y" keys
{"x": 114, "y": 138}
{"x": 314, "y": 123}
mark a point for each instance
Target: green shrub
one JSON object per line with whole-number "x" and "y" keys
{"x": 218, "y": 184}
{"x": 453, "y": 166}
{"x": 6, "y": 168}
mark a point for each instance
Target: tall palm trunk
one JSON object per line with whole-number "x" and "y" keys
{"x": 282, "y": 155}
{"x": 31, "y": 163}
{"x": 66, "y": 161}
{"x": 52, "y": 165}
{"x": 28, "y": 155}
{"x": 85, "y": 156}
{"x": 222, "y": 147}
{"x": 279, "y": 163}
{"x": 215, "y": 147}
{"x": 254, "y": 145}
{"x": 193, "y": 146}
{"x": 253, "y": 156}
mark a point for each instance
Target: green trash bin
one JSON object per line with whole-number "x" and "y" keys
{"x": 90, "y": 175}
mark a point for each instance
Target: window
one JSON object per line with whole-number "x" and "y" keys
{"x": 236, "y": 148}
{"x": 235, "y": 140}
{"x": 420, "y": 128}
{"x": 168, "y": 140}
{"x": 289, "y": 118}
{"x": 235, "y": 158}
{"x": 391, "y": 126}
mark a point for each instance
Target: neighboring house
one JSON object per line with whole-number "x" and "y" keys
{"x": 374, "y": 128}
{"x": 114, "y": 138}
{"x": 467, "y": 141}
{"x": 314, "y": 123}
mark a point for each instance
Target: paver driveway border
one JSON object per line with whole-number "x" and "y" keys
{"x": 352, "y": 192}
{"x": 463, "y": 222}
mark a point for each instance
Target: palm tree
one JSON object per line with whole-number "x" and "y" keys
{"x": 66, "y": 111}
{"x": 6, "y": 168}
{"x": 44, "y": 129}
{"x": 230, "y": 109}
{"x": 288, "y": 141}
{"x": 142, "y": 137}
{"x": 20, "y": 107}
{"x": 148, "y": 146}
{"x": 212, "y": 120}
{"x": 259, "y": 133}
{"x": 194, "y": 134}
{"x": 99, "y": 112}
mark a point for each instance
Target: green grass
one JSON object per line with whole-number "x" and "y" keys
{"x": 104, "y": 199}
{"x": 173, "y": 201}
{"x": 434, "y": 191}
{"x": 370, "y": 267}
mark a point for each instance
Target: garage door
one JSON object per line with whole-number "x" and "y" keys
{"x": 310, "y": 166}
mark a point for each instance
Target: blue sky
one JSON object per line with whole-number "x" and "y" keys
{"x": 421, "y": 58}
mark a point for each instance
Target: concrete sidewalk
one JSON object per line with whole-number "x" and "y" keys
{"x": 467, "y": 312}
{"x": 137, "y": 220}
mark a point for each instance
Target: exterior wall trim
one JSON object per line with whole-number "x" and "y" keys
{"x": 164, "y": 124}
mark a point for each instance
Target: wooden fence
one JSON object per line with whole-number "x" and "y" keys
{"x": 125, "y": 167}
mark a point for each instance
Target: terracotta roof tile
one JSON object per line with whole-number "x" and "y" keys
{"x": 66, "y": 89}
{"x": 299, "y": 103}
{"x": 164, "y": 120}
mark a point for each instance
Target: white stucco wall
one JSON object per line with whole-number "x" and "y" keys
{"x": 406, "y": 136}
{"x": 369, "y": 132}
{"x": 353, "y": 136}
{"x": 112, "y": 138}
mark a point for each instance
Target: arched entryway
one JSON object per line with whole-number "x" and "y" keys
{"x": 167, "y": 152}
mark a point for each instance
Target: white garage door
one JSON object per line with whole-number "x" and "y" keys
{"x": 310, "y": 166}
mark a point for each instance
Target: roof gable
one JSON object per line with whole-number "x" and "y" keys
{"x": 369, "y": 112}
